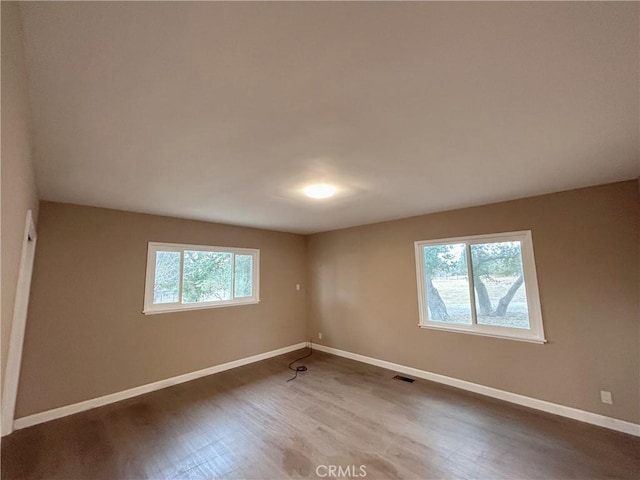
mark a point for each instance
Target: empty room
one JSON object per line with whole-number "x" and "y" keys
{"x": 269, "y": 240}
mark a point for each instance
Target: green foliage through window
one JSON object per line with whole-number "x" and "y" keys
{"x": 207, "y": 276}
{"x": 244, "y": 276}
{"x": 166, "y": 287}
{"x": 498, "y": 284}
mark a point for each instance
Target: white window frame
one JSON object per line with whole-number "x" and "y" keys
{"x": 536, "y": 332}
{"x": 151, "y": 308}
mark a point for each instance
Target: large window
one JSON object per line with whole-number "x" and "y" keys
{"x": 186, "y": 277}
{"x": 484, "y": 285}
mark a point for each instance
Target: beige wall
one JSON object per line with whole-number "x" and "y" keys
{"x": 363, "y": 298}
{"x": 86, "y": 335}
{"x": 19, "y": 192}
{"x": 85, "y": 325}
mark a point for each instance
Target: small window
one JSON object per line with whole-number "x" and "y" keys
{"x": 485, "y": 285}
{"x": 187, "y": 277}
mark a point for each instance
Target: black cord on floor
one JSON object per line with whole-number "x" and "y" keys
{"x": 300, "y": 368}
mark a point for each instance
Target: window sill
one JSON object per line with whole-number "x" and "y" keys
{"x": 198, "y": 307}
{"x": 504, "y": 336}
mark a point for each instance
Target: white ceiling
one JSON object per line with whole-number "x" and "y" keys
{"x": 224, "y": 111}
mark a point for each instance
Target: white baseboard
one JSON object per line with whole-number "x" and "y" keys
{"x": 554, "y": 408}
{"x": 60, "y": 412}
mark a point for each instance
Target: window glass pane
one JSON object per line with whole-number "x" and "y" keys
{"x": 244, "y": 276}
{"x": 498, "y": 278}
{"x": 447, "y": 283}
{"x": 207, "y": 276}
{"x": 166, "y": 284}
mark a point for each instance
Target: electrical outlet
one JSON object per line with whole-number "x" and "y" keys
{"x": 319, "y": 335}
{"x": 297, "y": 286}
{"x": 606, "y": 397}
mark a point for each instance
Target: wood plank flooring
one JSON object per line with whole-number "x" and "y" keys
{"x": 249, "y": 423}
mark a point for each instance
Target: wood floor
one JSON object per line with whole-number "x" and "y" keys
{"x": 251, "y": 423}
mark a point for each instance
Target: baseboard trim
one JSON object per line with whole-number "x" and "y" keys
{"x": 60, "y": 412}
{"x": 554, "y": 408}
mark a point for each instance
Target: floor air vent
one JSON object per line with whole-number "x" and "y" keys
{"x": 404, "y": 379}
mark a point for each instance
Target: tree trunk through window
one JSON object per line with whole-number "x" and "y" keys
{"x": 437, "y": 306}
{"x": 501, "y": 311}
{"x": 484, "y": 302}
